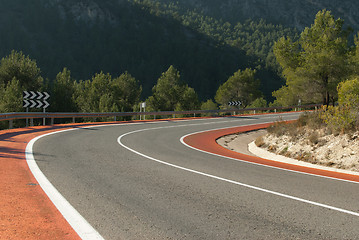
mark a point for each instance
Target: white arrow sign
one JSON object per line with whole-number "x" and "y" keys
{"x": 25, "y": 103}
{"x": 46, "y": 104}
{"x": 46, "y": 96}
{"x": 33, "y": 95}
{"x": 39, "y": 95}
{"x": 36, "y": 99}
{"x": 39, "y": 104}
{"x": 26, "y": 94}
{"x": 33, "y": 103}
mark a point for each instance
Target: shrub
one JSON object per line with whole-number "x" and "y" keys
{"x": 314, "y": 138}
{"x": 259, "y": 141}
{"x": 339, "y": 118}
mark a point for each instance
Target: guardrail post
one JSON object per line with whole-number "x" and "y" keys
{"x": 31, "y": 122}
{"x": 73, "y": 120}
{"x": 52, "y": 121}
{"x": 254, "y": 111}
{"x": 11, "y": 124}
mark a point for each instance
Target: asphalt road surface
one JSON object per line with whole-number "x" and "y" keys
{"x": 138, "y": 181}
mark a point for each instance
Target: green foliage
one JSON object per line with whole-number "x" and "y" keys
{"x": 242, "y": 86}
{"x": 209, "y": 105}
{"x": 104, "y": 94}
{"x": 17, "y": 73}
{"x": 127, "y": 91}
{"x": 339, "y": 118}
{"x": 143, "y": 38}
{"x": 62, "y": 93}
{"x": 171, "y": 94}
{"x": 258, "y": 103}
{"x": 315, "y": 64}
{"x": 348, "y": 93}
{"x": 345, "y": 116}
{"x": 11, "y": 97}
{"x": 21, "y": 67}
{"x": 285, "y": 96}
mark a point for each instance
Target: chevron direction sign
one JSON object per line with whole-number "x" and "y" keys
{"x": 235, "y": 103}
{"x": 33, "y": 99}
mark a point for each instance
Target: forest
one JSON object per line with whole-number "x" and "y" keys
{"x": 143, "y": 38}
{"x": 172, "y": 57}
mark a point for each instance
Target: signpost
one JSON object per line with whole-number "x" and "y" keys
{"x": 143, "y": 106}
{"x": 33, "y": 99}
{"x": 235, "y": 103}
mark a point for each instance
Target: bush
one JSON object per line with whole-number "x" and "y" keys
{"x": 339, "y": 118}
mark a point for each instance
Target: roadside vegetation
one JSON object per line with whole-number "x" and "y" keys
{"x": 319, "y": 66}
{"x": 328, "y": 136}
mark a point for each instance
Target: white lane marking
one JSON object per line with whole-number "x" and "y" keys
{"x": 228, "y": 180}
{"x": 258, "y": 164}
{"x": 72, "y": 216}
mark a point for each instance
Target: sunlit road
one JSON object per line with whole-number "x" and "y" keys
{"x": 138, "y": 181}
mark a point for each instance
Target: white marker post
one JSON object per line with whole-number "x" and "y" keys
{"x": 143, "y": 105}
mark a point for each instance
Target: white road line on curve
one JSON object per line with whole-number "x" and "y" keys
{"x": 228, "y": 180}
{"x": 72, "y": 216}
{"x": 253, "y": 163}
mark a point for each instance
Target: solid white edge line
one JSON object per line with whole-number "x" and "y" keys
{"x": 231, "y": 181}
{"x": 72, "y": 216}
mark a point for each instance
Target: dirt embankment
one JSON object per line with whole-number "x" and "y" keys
{"x": 312, "y": 146}
{"x": 315, "y": 146}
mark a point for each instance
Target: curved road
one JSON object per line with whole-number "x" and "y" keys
{"x": 138, "y": 181}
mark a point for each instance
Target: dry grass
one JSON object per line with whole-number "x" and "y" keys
{"x": 259, "y": 142}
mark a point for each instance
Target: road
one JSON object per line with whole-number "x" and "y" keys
{"x": 138, "y": 181}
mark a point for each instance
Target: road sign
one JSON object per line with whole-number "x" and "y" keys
{"x": 33, "y": 99}
{"x": 235, "y": 103}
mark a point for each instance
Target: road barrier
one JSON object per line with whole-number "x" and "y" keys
{"x": 38, "y": 115}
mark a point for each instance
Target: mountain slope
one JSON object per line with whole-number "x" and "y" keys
{"x": 145, "y": 37}
{"x": 292, "y": 13}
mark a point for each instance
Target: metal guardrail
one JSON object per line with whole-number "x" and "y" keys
{"x": 38, "y": 115}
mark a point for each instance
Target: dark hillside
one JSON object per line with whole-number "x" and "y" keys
{"x": 291, "y": 13}
{"x": 145, "y": 37}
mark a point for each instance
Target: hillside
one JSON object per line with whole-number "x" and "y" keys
{"x": 146, "y": 37}
{"x": 291, "y": 13}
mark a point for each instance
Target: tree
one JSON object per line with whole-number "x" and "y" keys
{"x": 315, "y": 64}
{"x": 127, "y": 92}
{"x": 348, "y": 94}
{"x": 11, "y": 96}
{"x": 104, "y": 94}
{"x": 17, "y": 73}
{"x": 258, "y": 103}
{"x": 89, "y": 93}
{"x": 171, "y": 94}
{"x": 62, "y": 93}
{"x": 209, "y": 105}
{"x": 25, "y": 70}
{"x": 242, "y": 86}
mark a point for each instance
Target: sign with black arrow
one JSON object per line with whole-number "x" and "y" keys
{"x": 33, "y": 99}
{"x": 234, "y": 103}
